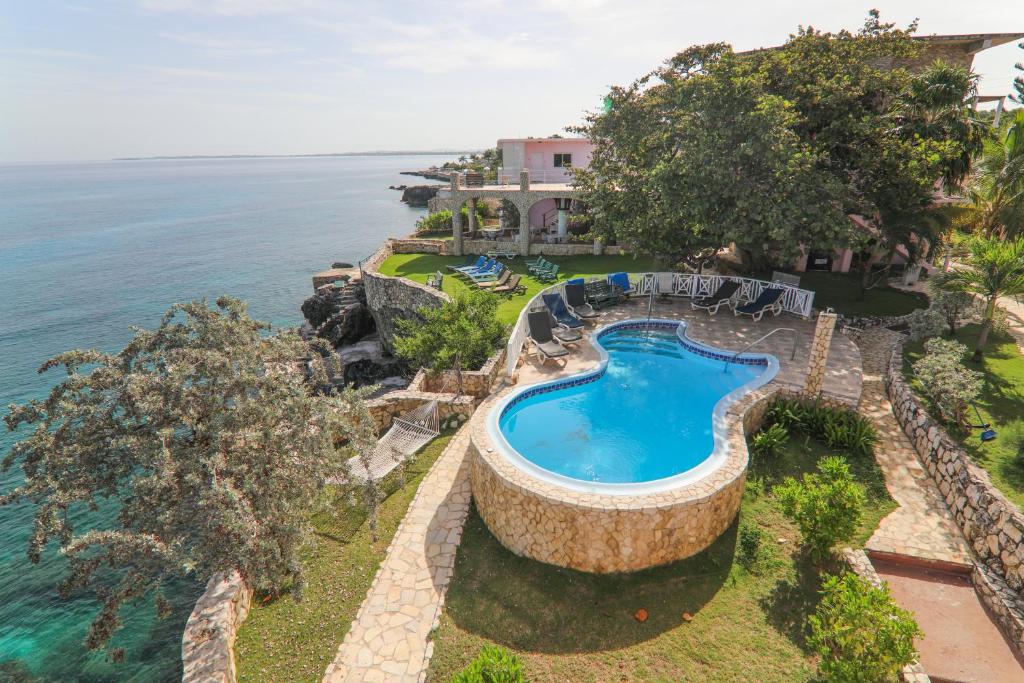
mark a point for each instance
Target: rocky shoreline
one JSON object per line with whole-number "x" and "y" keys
{"x": 417, "y": 195}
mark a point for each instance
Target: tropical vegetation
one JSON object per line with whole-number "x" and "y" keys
{"x": 997, "y": 189}
{"x": 860, "y": 632}
{"x": 770, "y": 151}
{"x": 951, "y": 387}
{"x": 995, "y": 269}
{"x": 825, "y": 505}
{"x": 207, "y": 435}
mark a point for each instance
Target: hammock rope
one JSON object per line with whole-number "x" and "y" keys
{"x": 407, "y": 435}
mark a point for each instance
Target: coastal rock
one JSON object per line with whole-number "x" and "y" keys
{"x": 338, "y": 315}
{"x": 341, "y": 264}
{"x": 419, "y": 195}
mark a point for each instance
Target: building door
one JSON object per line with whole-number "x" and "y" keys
{"x": 819, "y": 260}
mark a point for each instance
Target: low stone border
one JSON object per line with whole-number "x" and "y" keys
{"x": 1003, "y": 604}
{"x": 860, "y": 564}
{"x": 610, "y": 533}
{"x": 207, "y": 646}
{"x": 993, "y": 526}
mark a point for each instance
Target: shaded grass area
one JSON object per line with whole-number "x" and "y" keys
{"x": 1001, "y": 403}
{"x": 418, "y": 267}
{"x": 286, "y": 640}
{"x": 841, "y": 291}
{"x": 574, "y": 626}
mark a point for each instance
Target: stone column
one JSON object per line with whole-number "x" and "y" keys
{"x": 563, "y": 218}
{"x": 819, "y": 354}
{"x": 524, "y": 181}
{"x": 456, "y": 226}
{"x": 471, "y": 217}
{"x": 524, "y": 227}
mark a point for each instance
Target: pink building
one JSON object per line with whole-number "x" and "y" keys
{"x": 548, "y": 160}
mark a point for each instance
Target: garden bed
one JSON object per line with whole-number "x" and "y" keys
{"x": 285, "y": 640}
{"x": 1001, "y": 402}
{"x": 569, "y": 625}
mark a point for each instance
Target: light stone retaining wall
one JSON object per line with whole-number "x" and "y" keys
{"x": 414, "y": 245}
{"x": 207, "y": 645}
{"x": 394, "y": 298}
{"x": 611, "y": 533}
{"x": 572, "y": 249}
{"x": 992, "y": 525}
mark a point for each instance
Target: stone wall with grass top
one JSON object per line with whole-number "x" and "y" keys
{"x": 207, "y": 646}
{"x": 992, "y": 524}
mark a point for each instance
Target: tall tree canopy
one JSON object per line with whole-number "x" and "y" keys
{"x": 775, "y": 149}
{"x": 206, "y": 432}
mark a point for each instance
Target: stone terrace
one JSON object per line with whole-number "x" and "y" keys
{"x": 729, "y": 332}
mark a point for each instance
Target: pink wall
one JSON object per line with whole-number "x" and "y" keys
{"x": 538, "y": 210}
{"x": 538, "y": 155}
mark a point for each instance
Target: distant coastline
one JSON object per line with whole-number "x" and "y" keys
{"x": 290, "y": 156}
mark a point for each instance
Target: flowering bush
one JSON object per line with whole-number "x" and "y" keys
{"x": 943, "y": 377}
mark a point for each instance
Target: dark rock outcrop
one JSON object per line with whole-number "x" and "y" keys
{"x": 419, "y": 195}
{"x": 338, "y": 315}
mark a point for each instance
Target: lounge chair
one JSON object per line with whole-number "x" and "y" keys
{"x": 561, "y": 313}
{"x": 539, "y": 265}
{"x": 530, "y": 265}
{"x": 513, "y": 285}
{"x": 490, "y": 275}
{"x": 540, "y": 333}
{"x": 600, "y": 294}
{"x": 769, "y": 300}
{"x": 723, "y": 296}
{"x": 564, "y": 335}
{"x": 577, "y": 301}
{"x": 436, "y": 280}
{"x": 470, "y": 264}
{"x": 621, "y": 280}
{"x": 490, "y": 267}
{"x": 505, "y": 275}
{"x": 665, "y": 284}
{"x": 549, "y": 275}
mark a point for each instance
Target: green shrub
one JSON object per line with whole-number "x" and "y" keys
{"x": 754, "y": 553}
{"x": 442, "y": 220}
{"x": 492, "y": 665}
{"x": 463, "y": 332}
{"x": 837, "y": 427}
{"x": 768, "y": 441}
{"x": 947, "y": 382}
{"x": 860, "y": 632}
{"x": 825, "y": 505}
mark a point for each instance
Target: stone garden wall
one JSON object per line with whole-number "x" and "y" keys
{"x": 484, "y": 246}
{"x": 393, "y": 298}
{"x": 993, "y": 525}
{"x": 207, "y": 646}
{"x": 394, "y": 404}
{"x": 419, "y": 246}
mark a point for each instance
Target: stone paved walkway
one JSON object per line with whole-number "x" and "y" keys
{"x": 921, "y": 526}
{"x": 388, "y": 640}
{"x": 1014, "y": 319}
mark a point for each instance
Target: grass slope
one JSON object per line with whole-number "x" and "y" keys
{"x": 418, "y": 267}
{"x": 573, "y": 626}
{"x": 1001, "y": 403}
{"x": 284, "y": 640}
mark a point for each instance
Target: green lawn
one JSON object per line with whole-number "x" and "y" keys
{"x": 285, "y": 640}
{"x": 1001, "y": 403}
{"x": 573, "y": 626}
{"x": 841, "y": 292}
{"x": 419, "y": 267}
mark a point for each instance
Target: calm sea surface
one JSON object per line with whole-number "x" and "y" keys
{"x": 86, "y": 251}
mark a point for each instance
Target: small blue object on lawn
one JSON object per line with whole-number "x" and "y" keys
{"x": 987, "y": 434}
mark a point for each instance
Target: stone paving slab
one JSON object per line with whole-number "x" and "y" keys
{"x": 922, "y": 526}
{"x": 389, "y": 638}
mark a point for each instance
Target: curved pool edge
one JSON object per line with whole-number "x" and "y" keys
{"x": 715, "y": 459}
{"x": 599, "y": 532}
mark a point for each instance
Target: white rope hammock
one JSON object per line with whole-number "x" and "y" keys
{"x": 407, "y": 435}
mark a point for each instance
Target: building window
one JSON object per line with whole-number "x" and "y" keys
{"x": 563, "y": 160}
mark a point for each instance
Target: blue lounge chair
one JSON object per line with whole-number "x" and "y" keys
{"x": 621, "y": 280}
{"x": 561, "y": 313}
{"x": 486, "y": 268}
{"x": 470, "y": 264}
{"x": 491, "y": 275}
{"x": 769, "y": 300}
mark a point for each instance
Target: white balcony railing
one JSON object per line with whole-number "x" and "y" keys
{"x": 510, "y": 176}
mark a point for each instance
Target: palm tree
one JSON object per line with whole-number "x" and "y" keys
{"x": 996, "y": 269}
{"x": 997, "y": 193}
{"x": 938, "y": 106}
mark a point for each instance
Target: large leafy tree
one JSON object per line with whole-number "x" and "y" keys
{"x": 995, "y": 269}
{"x": 775, "y": 149}
{"x": 207, "y": 434}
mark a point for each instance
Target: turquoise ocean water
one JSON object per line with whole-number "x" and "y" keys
{"x": 87, "y": 250}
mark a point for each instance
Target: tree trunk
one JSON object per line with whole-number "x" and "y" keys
{"x": 986, "y": 326}
{"x": 865, "y": 280}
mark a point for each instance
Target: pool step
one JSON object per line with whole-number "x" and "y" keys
{"x": 641, "y": 344}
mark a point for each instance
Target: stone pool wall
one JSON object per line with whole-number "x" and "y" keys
{"x": 610, "y": 533}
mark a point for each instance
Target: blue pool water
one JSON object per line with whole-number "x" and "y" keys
{"x": 648, "y": 417}
{"x": 89, "y": 249}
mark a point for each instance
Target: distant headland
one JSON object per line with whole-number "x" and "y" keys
{"x": 287, "y": 156}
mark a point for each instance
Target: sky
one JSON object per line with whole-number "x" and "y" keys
{"x": 85, "y": 79}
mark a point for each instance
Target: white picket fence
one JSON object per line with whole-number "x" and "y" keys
{"x": 794, "y": 300}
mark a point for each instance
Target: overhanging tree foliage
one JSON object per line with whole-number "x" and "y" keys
{"x": 206, "y": 432}
{"x": 776, "y": 149}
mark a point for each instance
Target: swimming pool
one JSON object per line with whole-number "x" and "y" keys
{"x": 648, "y": 417}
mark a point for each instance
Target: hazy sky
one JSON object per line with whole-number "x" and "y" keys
{"x": 86, "y": 79}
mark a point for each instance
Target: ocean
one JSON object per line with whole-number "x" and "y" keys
{"x": 89, "y": 249}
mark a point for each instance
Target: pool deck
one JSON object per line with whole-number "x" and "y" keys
{"x": 843, "y": 376}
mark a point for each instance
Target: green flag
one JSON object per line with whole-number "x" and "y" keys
{"x": 607, "y": 103}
